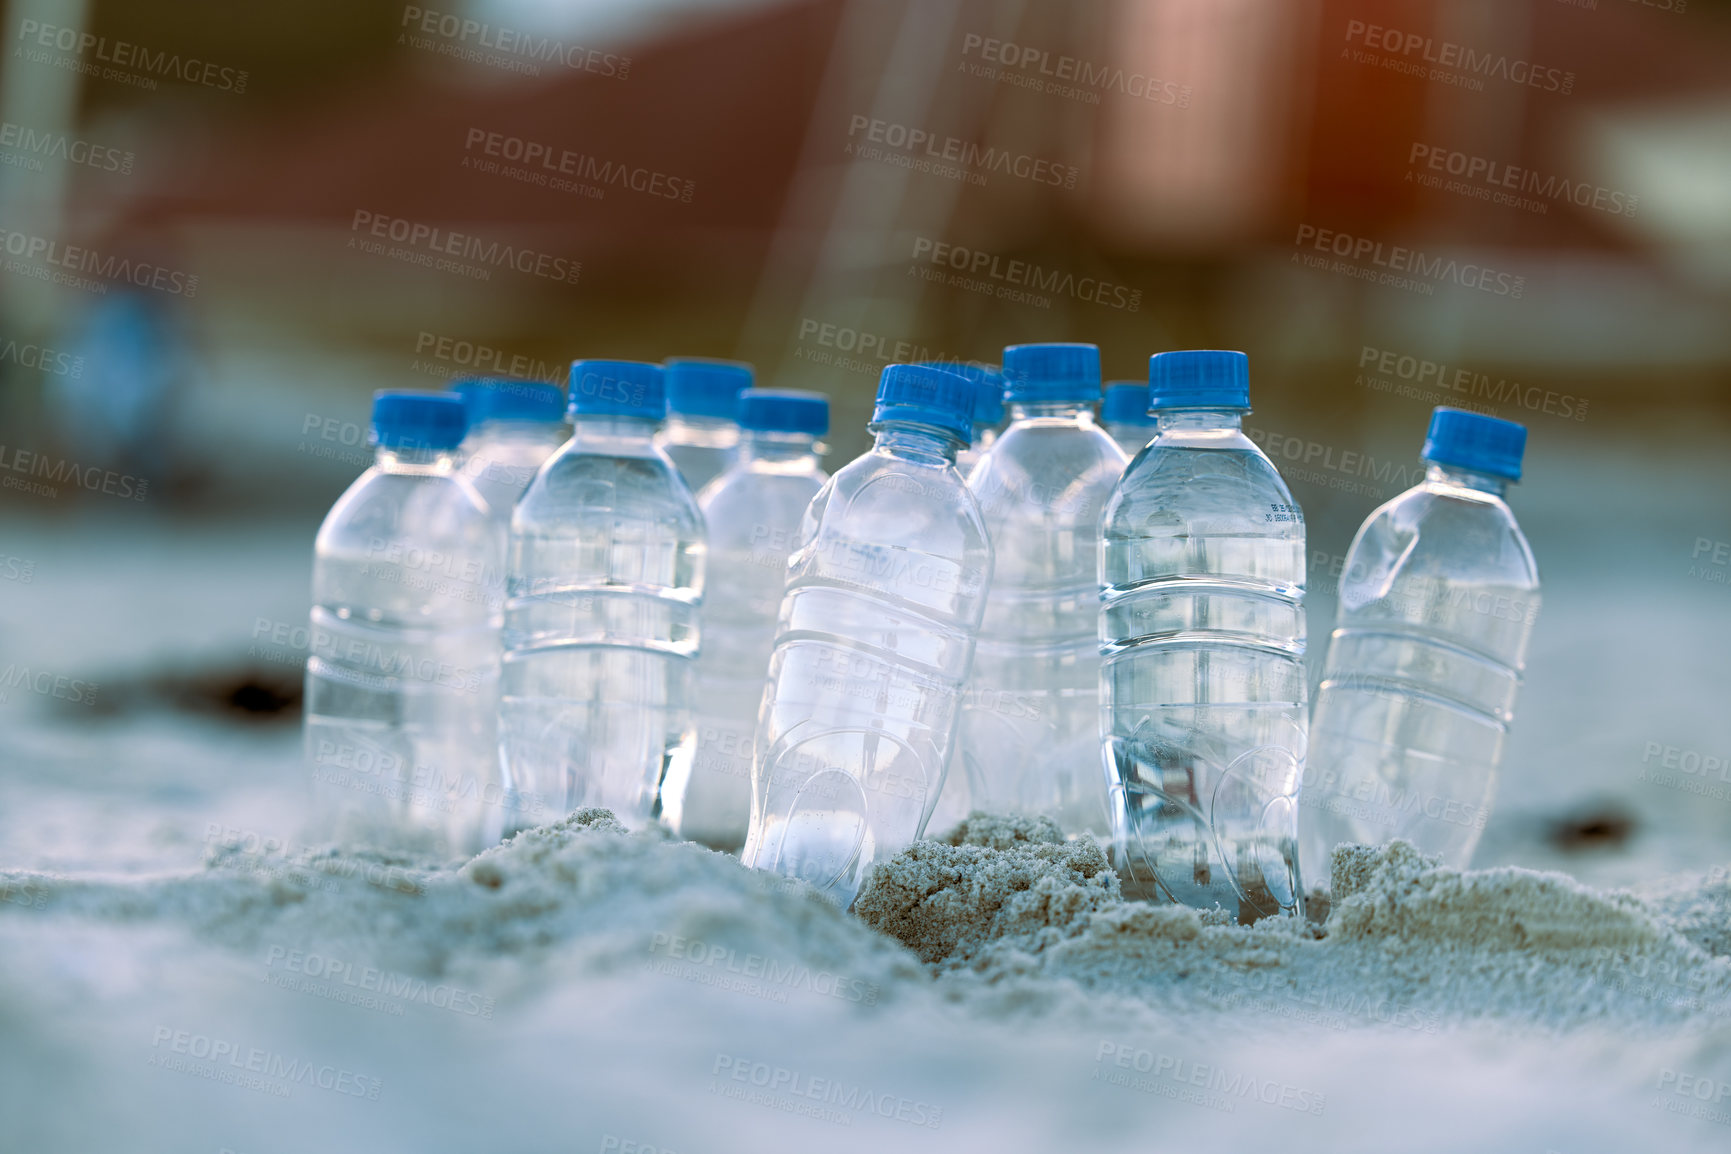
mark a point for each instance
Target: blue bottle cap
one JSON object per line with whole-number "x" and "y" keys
{"x": 784, "y": 411}
{"x": 929, "y": 396}
{"x": 403, "y": 419}
{"x": 1199, "y": 379}
{"x": 1126, "y": 403}
{"x": 1052, "y": 372}
{"x": 510, "y": 399}
{"x": 988, "y": 388}
{"x": 618, "y": 389}
{"x": 1475, "y": 441}
{"x": 701, "y": 387}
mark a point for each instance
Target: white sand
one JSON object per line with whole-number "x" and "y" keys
{"x": 580, "y": 986}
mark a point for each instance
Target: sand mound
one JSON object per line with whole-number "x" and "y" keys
{"x": 1396, "y": 892}
{"x": 990, "y": 880}
{"x": 1698, "y": 908}
{"x": 1005, "y": 914}
{"x": 580, "y": 891}
{"x": 1408, "y": 943}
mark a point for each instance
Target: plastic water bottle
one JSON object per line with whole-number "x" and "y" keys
{"x": 955, "y": 801}
{"x": 513, "y": 427}
{"x": 700, "y": 433}
{"x": 1202, "y": 623}
{"x": 1030, "y": 729}
{"x": 988, "y": 409}
{"x": 1124, "y": 412}
{"x": 876, "y": 632}
{"x": 403, "y": 671}
{"x": 1437, "y": 603}
{"x": 753, "y": 512}
{"x": 604, "y": 581}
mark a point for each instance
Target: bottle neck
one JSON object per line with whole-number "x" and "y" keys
{"x": 612, "y": 425}
{"x": 553, "y": 431}
{"x": 712, "y": 426}
{"x": 1050, "y": 410}
{"x": 1199, "y": 419}
{"x": 404, "y": 459}
{"x": 916, "y": 443}
{"x": 1466, "y": 479}
{"x": 776, "y": 448}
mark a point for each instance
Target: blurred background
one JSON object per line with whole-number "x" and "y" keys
{"x": 220, "y": 231}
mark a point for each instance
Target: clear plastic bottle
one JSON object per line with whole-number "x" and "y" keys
{"x": 1124, "y": 412}
{"x": 700, "y": 434}
{"x": 753, "y": 513}
{"x": 604, "y": 582}
{"x": 1030, "y": 728}
{"x": 988, "y": 409}
{"x": 403, "y": 671}
{"x": 883, "y": 599}
{"x": 1202, "y": 622}
{"x": 513, "y": 427}
{"x": 1437, "y": 604}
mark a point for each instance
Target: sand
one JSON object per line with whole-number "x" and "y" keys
{"x": 581, "y": 987}
{"x": 998, "y": 904}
